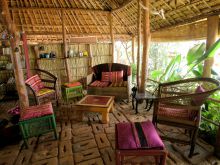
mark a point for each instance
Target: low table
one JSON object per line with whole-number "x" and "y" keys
{"x": 96, "y": 103}
{"x": 148, "y": 97}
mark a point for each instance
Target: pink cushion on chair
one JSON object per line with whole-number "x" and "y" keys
{"x": 37, "y": 111}
{"x": 128, "y": 136}
{"x": 35, "y": 82}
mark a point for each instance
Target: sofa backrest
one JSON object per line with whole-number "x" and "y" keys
{"x": 111, "y": 67}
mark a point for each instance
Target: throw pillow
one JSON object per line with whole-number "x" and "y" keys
{"x": 117, "y": 76}
{"x": 199, "y": 99}
{"x": 35, "y": 82}
{"x": 106, "y": 76}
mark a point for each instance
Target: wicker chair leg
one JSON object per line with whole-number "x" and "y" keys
{"x": 193, "y": 142}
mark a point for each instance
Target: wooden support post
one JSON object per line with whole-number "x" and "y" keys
{"x": 146, "y": 44}
{"x": 18, "y": 72}
{"x": 89, "y": 59}
{"x": 139, "y": 43}
{"x": 212, "y": 36}
{"x": 133, "y": 45}
{"x": 65, "y": 47}
{"x": 112, "y": 35}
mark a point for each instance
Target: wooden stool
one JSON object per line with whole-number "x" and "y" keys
{"x": 72, "y": 90}
{"x": 139, "y": 139}
{"x": 37, "y": 120}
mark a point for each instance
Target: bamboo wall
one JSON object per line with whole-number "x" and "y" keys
{"x": 78, "y": 65}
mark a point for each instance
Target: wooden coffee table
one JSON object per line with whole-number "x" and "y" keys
{"x": 96, "y": 103}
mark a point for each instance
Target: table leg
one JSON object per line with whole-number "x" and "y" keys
{"x": 147, "y": 101}
{"x": 105, "y": 117}
{"x": 132, "y": 102}
{"x": 136, "y": 109}
{"x": 79, "y": 115}
{"x": 111, "y": 107}
{"x": 151, "y": 103}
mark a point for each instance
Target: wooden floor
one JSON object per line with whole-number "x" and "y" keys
{"x": 90, "y": 142}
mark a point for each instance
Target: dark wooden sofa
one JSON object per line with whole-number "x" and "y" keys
{"x": 121, "y": 90}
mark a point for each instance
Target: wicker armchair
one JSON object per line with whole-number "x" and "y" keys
{"x": 42, "y": 86}
{"x": 179, "y": 105}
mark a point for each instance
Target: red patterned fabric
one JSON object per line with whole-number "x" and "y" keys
{"x": 173, "y": 113}
{"x": 106, "y": 76}
{"x": 73, "y": 84}
{"x": 128, "y": 136}
{"x": 35, "y": 82}
{"x": 117, "y": 76}
{"x": 37, "y": 111}
{"x": 98, "y": 83}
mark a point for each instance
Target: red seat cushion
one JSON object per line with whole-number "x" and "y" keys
{"x": 37, "y": 111}
{"x": 35, "y": 82}
{"x": 137, "y": 136}
{"x": 73, "y": 84}
{"x": 173, "y": 113}
{"x": 98, "y": 83}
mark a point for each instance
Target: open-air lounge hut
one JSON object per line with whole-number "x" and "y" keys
{"x": 68, "y": 39}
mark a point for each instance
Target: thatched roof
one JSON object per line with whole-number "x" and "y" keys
{"x": 42, "y": 18}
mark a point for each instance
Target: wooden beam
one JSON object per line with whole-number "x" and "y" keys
{"x": 139, "y": 43}
{"x": 112, "y": 35}
{"x": 123, "y": 6}
{"x": 212, "y": 36}
{"x": 56, "y": 9}
{"x": 65, "y": 46}
{"x": 146, "y": 45}
{"x": 15, "y": 56}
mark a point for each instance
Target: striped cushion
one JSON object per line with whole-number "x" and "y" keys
{"x": 35, "y": 82}
{"x": 37, "y": 111}
{"x": 138, "y": 135}
{"x": 44, "y": 91}
{"x": 173, "y": 113}
{"x": 106, "y": 76}
{"x": 117, "y": 76}
{"x": 98, "y": 83}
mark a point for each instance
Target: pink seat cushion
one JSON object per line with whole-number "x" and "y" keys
{"x": 137, "y": 136}
{"x": 106, "y": 76}
{"x": 37, "y": 111}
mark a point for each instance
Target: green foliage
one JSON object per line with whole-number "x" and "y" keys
{"x": 134, "y": 71}
{"x": 194, "y": 67}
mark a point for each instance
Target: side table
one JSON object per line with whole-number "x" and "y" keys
{"x": 71, "y": 92}
{"x": 138, "y": 97}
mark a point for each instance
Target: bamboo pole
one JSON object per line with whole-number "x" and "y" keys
{"x": 133, "y": 45}
{"x": 15, "y": 56}
{"x": 57, "y": 9}
{"x": 212, "y": 36}
{"x": 112, "y": 35}
{"x": 65, "y": 46}
{"x": 139, "y": 43}
{"x": 146, "y": 44}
